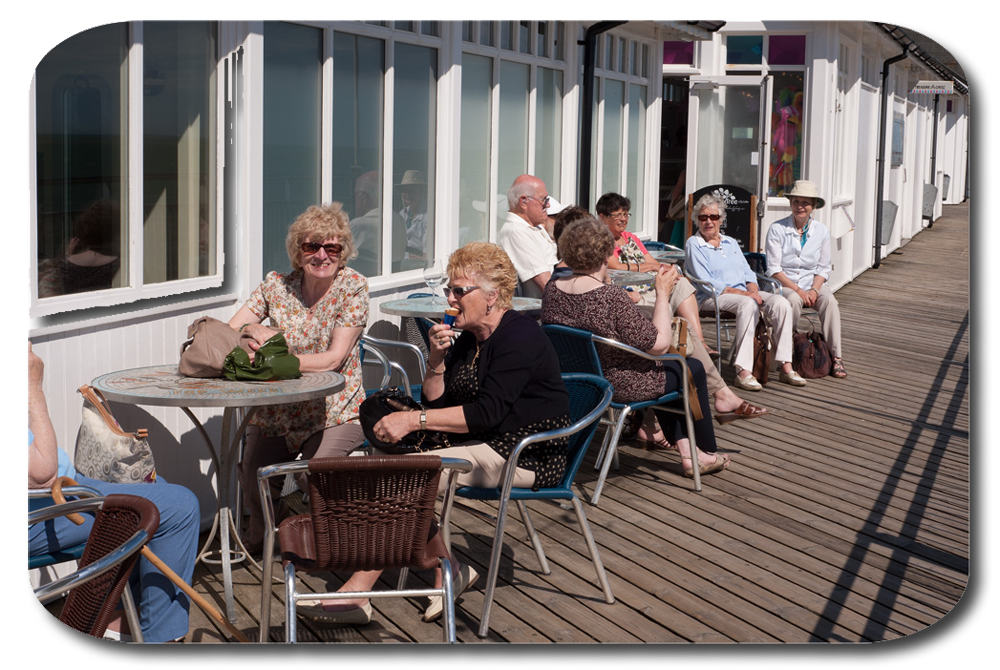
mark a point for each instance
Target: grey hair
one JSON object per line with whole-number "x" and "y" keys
{"x": 516, "y": 190}
{"x": 710, "y": 200}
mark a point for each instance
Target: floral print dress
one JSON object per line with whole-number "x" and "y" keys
{"x": 310, "y": 331}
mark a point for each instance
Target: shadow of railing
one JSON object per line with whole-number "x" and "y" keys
{"x": 904, "y": 545}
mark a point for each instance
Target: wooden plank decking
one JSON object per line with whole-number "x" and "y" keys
{"x": 844, "y": 517}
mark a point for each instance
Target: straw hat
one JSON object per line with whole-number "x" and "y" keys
{"x": 804, "y": 188}
{"x": 413, "y": 178}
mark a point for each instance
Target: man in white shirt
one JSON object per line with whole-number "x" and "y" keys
{"x": 523, "y": 235}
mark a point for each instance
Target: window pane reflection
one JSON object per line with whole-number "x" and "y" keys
{"x": 513, "y": 148}
{"x": 414, "y": 132}
{"x": 634, "y": 188}
{"x": 358, "y": 74}
{"x": 474, "y": 180}
{"x": 548, "y": 128}
{"x": 179, "y": 150}
{"x": 82, "y": 237}
{"x": 293, "y": 79}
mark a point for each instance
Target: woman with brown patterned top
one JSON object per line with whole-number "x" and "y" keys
{"x": 585, "y": 300}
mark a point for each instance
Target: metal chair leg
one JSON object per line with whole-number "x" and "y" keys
{"x": 291, "y": 630}
{"x": 609, "y": 457}
{"x": 602, "y": 577}
{"x": 491, "y": 577}
{"x": 533, "y": 536}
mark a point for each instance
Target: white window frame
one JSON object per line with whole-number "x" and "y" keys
{"x": 134, "y": 289}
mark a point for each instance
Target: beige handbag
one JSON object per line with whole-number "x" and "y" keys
{"x": 679, "y": 345}
{"x": 106, "y": 452}
{"x": 209, "y": 341}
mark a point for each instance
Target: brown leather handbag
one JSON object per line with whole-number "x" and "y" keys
{"x": 209, "y": 342}
{"x": 811, "y": 355}
{"x": 763, "y": 349}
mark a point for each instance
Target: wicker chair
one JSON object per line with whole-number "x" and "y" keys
{"x": 122, "y": 526}
{"x": 366, "y": 513}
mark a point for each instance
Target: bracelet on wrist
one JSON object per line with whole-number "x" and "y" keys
{"x": 432, "y": 371}
{"x": 243, "y": 326}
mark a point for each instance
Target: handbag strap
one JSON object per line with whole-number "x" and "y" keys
{"x": 97, "y": 399}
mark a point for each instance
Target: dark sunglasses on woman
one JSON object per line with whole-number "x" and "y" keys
{"x": 310, "y": 248}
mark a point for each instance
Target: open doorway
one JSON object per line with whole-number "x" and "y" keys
{"x": 673, "y": 159}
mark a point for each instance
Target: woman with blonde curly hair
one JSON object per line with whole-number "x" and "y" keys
{"x": 322, "y": 308}
{"x": 496, "y": 383}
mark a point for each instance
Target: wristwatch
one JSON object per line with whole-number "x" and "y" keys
{"x": 423, "y": 419}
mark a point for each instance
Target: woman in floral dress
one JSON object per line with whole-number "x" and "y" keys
{"x": 322, "y": 308}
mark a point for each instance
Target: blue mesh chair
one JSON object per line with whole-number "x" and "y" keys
{"x": 577, "y": 352}
{"x": 589, "y": 397}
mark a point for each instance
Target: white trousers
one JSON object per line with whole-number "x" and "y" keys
{"x": 778, "y": 311}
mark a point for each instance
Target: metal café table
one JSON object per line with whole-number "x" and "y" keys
{"x": 629, "y": 278}
{"x": 668, "y": 256}
{"x": 424, "y": 308}
{"x": 163, "y": 386}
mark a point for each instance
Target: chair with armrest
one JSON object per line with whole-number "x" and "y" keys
{"x": 589, "y": 397}
{"x": 367, "y": 513}
{"x": 577, "y": 351}
{"x": 413, "y": 390}
{"x": 69, "y": 553}
{"x": 123, "y": 524}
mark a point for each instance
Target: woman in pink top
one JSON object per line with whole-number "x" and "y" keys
{"x": 631, "y": 254}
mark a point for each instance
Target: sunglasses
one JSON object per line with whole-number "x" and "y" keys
{"x": 706, "y": 217}
{"x": 310, "y": 248}
{"x": 621, "y": 216}
{"x": 543, "y": 201}
{"x": 459, "y": 291}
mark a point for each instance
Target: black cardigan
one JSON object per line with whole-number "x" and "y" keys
{"x": 519, "y": 377}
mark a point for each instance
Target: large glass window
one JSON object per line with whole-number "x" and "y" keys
{"x": 513, "y": 146}
{"x": 358, "y": 113}
{"x": 414, "y": 132}
{"x": 474, "y": 177}
{"x": 80, "y": 154}
{"x": 293, "y": 71}
{"x": 548, "y": 127}
{"x": 612, "y": 138}
{"x": 636, "y": 147}
{"x": 179, "y": 148}
{"x": 787, "y": 122}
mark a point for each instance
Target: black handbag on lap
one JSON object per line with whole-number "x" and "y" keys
{"x": 387, "y": 401}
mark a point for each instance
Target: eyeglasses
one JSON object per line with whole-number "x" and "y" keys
{"x": 459, "y": 291}
{"x": 543, "y": 201}
{"x": 706, "y": 217}
{"x": 621, "y": 216}
{"x": 310, "y": 248}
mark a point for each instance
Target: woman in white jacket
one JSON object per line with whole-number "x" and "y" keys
{"x": 798, "y": 256}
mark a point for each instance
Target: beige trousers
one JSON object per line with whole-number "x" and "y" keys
{"x": 829, "y": 315}
{"x": 778, "y": 311}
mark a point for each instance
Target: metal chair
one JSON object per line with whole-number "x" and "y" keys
{"x": 122, "y": 526}
{"x": 577, "y": 352}
{"x": 413, "y": 390}
{"x": 69, "y": 553}
{"x": 757, "y": 263}
{"x": 589, "y": 396}
{"x": 365, "y": 513}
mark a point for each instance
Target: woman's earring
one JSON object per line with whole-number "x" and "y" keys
{"x": 489, "y": 308}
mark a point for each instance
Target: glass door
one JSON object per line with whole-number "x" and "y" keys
{"x": 730, "y": 132}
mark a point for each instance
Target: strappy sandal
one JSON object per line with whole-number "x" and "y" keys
{"x": 838, "y": 370}
{"x": 744, "y": 411}
{"x": 721, "y": 463}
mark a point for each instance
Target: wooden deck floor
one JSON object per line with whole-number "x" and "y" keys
{"x": 844, "y": 517}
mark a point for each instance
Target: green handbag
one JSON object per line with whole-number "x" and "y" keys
{"x": 271, "y": 362}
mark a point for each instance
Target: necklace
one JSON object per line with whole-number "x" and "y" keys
{"x": 589, "y": 276}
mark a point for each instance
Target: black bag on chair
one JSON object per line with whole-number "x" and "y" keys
{"x": 811, "y": 355}
{"x": 387, "y": 401}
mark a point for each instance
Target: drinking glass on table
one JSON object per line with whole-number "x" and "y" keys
{"x": 434, "y": 276}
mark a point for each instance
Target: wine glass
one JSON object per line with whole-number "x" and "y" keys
{"x": 434, "y": 276}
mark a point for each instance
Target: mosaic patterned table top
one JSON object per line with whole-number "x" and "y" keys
{"x": 162, "y": 385}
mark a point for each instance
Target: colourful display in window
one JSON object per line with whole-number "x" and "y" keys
{"x": 787, "y": 132}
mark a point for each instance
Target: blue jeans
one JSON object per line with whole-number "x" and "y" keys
{"x": 163, "y": 608}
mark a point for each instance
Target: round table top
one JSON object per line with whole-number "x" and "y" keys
{"x": 162, "y": 385}
{"x": 423, "y": 307}
{"x": 629, "y": 278}
{"x": 667, "y": 256}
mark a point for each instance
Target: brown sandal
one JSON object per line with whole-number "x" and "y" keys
{"x": 838, "y": 370}
{"x": 744, "y": 411}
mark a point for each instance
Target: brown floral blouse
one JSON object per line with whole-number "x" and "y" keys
{"x": 310, "y": 332}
